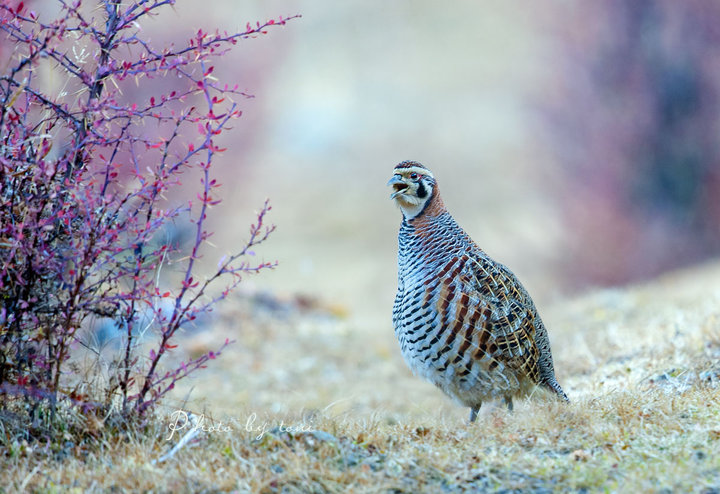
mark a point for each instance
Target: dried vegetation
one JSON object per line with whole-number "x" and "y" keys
{"x": 315, "y": 402}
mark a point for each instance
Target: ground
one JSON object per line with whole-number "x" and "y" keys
{"x": 311, "y": 399}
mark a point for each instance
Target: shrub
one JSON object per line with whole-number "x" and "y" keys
{"x": 91, "y": 183}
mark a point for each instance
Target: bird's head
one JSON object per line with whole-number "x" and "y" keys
{"x": 413, "y": 187}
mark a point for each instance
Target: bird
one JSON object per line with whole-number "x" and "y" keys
{"x": 464, "y": 321}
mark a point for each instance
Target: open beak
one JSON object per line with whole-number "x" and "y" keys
{"x": 398, "y": 185}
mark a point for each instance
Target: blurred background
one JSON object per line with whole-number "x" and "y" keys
{"x": 578, "y": 144}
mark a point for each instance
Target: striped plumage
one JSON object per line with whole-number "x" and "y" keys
{"x": 464, "y": 321}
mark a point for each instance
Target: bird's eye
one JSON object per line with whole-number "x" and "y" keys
{"x": 414, "y": 176}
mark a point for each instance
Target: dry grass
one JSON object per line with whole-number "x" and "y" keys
{"x": 640, "y": 366}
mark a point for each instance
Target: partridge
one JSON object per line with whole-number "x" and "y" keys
{"x": 464, "y": 322}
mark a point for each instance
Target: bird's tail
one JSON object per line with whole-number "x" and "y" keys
{"x": 554, "y": 386}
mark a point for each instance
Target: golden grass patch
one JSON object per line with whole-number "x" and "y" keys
{"x": 316, "y": 402}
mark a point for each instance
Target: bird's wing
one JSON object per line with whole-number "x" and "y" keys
{"x": 506, "y": 333}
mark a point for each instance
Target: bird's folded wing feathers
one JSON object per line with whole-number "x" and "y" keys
{"x": 511, "y": 325}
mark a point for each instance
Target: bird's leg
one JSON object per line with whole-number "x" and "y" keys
{"x": 508, "y": 402}
{"x": 473, "y": 413}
